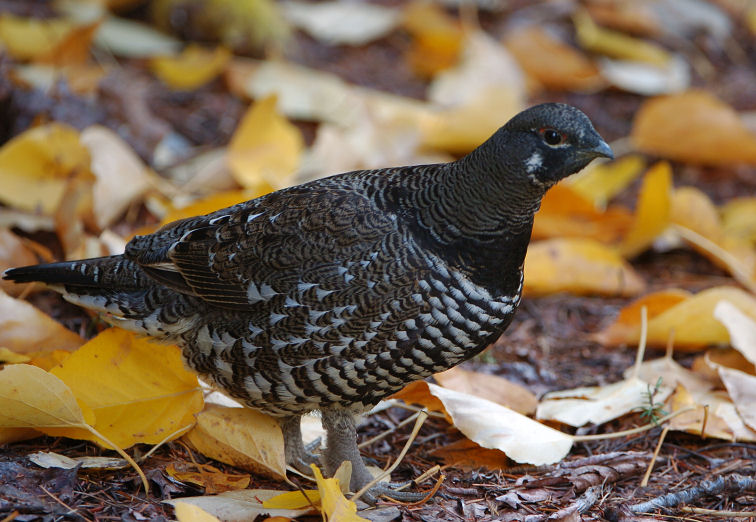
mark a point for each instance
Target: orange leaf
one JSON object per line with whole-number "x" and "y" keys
{"x": 467, "y": 455}
{"x": 580, "y": 266}
{"x": 652, "y": 210}
{"x": 437, "y": 38}
{"x": 491, "y": 387}
{"x": 551, "y": 62}
{"x": 695, "y": 127}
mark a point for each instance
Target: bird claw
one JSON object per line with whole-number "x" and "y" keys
{"x": 390, "y": 490}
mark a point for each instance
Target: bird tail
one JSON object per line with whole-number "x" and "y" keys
{"x": 112, "y": 272}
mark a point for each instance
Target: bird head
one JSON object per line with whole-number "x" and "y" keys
{"x": 549, "y": 142}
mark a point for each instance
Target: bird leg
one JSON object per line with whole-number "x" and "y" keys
{"x": 297, "y": 456}
{"x": 341, "y": 445}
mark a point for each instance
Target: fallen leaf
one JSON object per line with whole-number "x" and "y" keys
{"x": 741, "y": 327}
{"x": 551, "y": 62}
{"x": 209, "y": 204}
{"x": 340, "y": 23}
{"x": 9, "y": 357}
{"x": 579, "y": 266}
{"x": 493, "y": 426}
{"x": 596, "y": 39}
{"x": 242, "y": 437}
{"x": 652, "y": 210}
{"x": 208, "y": 477}
{"x": 566, "y": 213}
{"x": 10, "y": 435}
{"x": 671, "y": 374}
{"x": 130, "y": 39}
{"x": 191, "y": 69}
{"x": 335, "y": 507}
{"x": 597, "y": 404}
{"x": 35, "y": 167}
{"x": 437, "y": 38}
{"x": 466, "y": 455}
{"x": 265, "y": 149}
{"x": 722, "y": 420}
{"x": 645, "y": 78}
{"x": 691, "y": 317}
{"x": 490, "y": 387}
{"x": 24, "y": 329}
{"x": 601, "y": 181}
{"x": 139, "y": 390}
{"x": 190, "y": 513}
{"x": 714, "y": 133}
{"x": 240, "y": 505}
{"x": 50, "y": 459}
{"x": 739, "y": 219}
{"x": 13, "y": 253}
{"x": 742, "y": 389}
{"x": 32, "y": 38}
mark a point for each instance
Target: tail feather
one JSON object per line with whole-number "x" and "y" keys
{"x": 101, "y": 272}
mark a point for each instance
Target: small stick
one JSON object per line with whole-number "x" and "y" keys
{"x": 663, "y": 435}
{"x": 387, "y": 473}
{"x": 389, "y": 431}
{"x": 56, "y": 499}
{"x": 640, "y": 429}
{"x": 715, "y": 513}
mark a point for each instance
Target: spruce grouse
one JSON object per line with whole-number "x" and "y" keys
{"x": 334, "y": 294}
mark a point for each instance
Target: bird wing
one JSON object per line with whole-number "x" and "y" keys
{"x": 320, "y": 237}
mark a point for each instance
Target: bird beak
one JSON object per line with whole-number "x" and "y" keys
{"x": 601, "y": 150}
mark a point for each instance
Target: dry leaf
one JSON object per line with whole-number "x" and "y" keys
{"x": 24, "y": 329}
{"x": 551, "y": 62}
{"x": 466, "y": 455}
{"x": 671, "y": 374}
{"x": 209, "y": 204}
{"x": 601, "y": 181}
{"x": 437, "y": 38}
{"x": 722, "y": 420}
{"x": 646, "y": 78}
{"x": 742, "y": 390}
{"x": 241, "y": 505}
{"x": 242, "y": 437}
{"x": 741, "y": 327}
{"x": 335, "y": 506}
{"x": 35, "y": 167}
{"x": 139, "y": 390}
{"x": 690, "y": 316}
{"x": 596, "y": 39}
{"x": 739, "y": 219}
{"x": 342, "y": 23}
{"x": 597, "y": 404}
{"x": 33, "y": 38}
{"x": 652, "y": 210}
{"x": 490, "y": 387}
{"x": 191, "y": 69}
{"x": 714, "y": 133}
{"x": 130, "y": 39}
{"x": 190, "y": 513}
{"x": 208, "y": 477}
{"x": 579, "y": 266}
{"x": 491, "y": 425}
{"x": 265, "y": 149}
{"x": 13, "y": 253}
{"x": 566, "y": 213}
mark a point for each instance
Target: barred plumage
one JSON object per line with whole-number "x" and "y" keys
{"x": 334, "y": 294}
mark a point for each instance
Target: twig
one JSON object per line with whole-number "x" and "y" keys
{"x": 582, "y": 504}
{"x": 663, "y": 435}
{"x": 639, "y": 429}
{"x": 734, "y": 483}
{"x": 69, "y": 508}
{"x": 389, "y": 431}
{"x": 715, "y": 513}
{"x": 387, "y": 473}
{"x": 171, "y": 436}
{"x": 11, "y": 516}
{"x": 427, "y": 497}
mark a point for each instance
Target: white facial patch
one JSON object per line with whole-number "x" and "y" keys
{"x": 534, "y": 162}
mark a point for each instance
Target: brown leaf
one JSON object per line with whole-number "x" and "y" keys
{"x": 490, "y": 387}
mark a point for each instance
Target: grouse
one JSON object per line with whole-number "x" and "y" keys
{"x": 334, "y": 294}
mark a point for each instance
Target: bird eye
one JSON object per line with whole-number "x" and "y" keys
{"x": 552, "y": 137}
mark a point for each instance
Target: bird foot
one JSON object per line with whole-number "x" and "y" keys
{"x": 392, "y": 491}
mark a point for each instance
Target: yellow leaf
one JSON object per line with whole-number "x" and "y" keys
{"x": 32, "y": 38}
{"x": 651, "y": 212}
{"x": 242, "y": 437}
{"x": 551, "y": 62}
{"x": 437, "y": 39}
{"x": 617, "y": 45}
{"x": 720, "y": 418}
{"x": 580, "y": 266}
{"x": 336, "y": 508}
{"x": 712, "y": 132}
{"x": 193, "y": 68}
{"x": 491, "y": 387}
{"x": 566, "y": 213}
{"x": 9, "y": 435}
{"x": 9, "y": 357}
{"x": 34, "y": 398}
{"x": 209, "y": 204}
{"x": 24, "y": 329}
{"x": 265, "y": 149}
{"x": 186, "y": 512}
{"x": 739, "y": 219}
{"x": 139, "y": 390}
{"x": 692, "y": 208}
{"x": 36, "y": 165}
{"x": 600, "y": 182}
{"x": 294, "y": 500}
{"x": 690, "y": 316}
